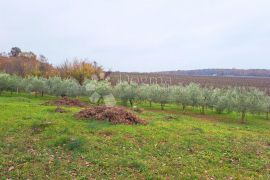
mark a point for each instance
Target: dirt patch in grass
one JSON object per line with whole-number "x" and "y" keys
{"x": 204, "y": 116}
{"x": 60, "y": 110}
{"x": 65, "y": 101}
{"x": 70, "y": 143}
{"x": 39, "y": 127}
{"x": 170, "y": 117}
{"x": 115, "y": 115}
{"x": 213, "y": 118}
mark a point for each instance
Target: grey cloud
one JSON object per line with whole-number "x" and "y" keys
{"x": 142, "y": 35}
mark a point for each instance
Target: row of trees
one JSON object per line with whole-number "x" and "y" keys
{"x": 55, "y": 86}
{"x": 238, "y": 99}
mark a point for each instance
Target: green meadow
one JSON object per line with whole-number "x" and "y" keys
{"x": 38, "y": 143}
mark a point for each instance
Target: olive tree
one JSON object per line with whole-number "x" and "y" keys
{"x": 194, "y": 94}
{"x": 66, "y": 87}
{"x": 247, "y": 100}
{"x": 89, "y": 87}
{"x": 16, "y": 83}
{"x": 180, "y": 95}
{"x": 97, "y": 90}
{"x": 103, "y": 88}
{"x": 205, "y": 98}
{"x": 71, "y": 87}
{"x": 266, "y": 106}
{"x": 146, "y": 93}
{"x": 221, "y": 100}
{"x": 161, "y": 95}
{"x": 3, "y": 82}
{"x": 37, "y": 85}
{"x": 55, "y": 86}
{"x": 126, "y": 92}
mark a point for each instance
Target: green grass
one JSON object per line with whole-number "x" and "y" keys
{"x": 37, "y": 143}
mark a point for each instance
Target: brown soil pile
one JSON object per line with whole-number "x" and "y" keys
{"x": 115, "y": 115}
{"x": 65, "y": 101}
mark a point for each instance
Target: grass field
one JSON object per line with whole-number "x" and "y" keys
{"x": 38, "y": 143}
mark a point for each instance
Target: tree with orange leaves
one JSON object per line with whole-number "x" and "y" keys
{"x": 26, "y": 64}
{"x": 80, "y": 70}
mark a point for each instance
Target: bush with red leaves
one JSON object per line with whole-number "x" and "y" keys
{"x": 115, "y": 115}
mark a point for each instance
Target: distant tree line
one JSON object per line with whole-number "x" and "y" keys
{"x": 222, "y": 72}
{"x": 26, "y": 64}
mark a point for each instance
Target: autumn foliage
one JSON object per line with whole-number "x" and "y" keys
{"x": 29, "y": 64}
{"x": 80, "y": 70}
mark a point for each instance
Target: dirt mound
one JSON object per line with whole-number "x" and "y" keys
{"x": 65, "y": 101}
{"x": 115, "y": 115}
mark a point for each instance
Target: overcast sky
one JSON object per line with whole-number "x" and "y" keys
{"x": 141, "y": 35}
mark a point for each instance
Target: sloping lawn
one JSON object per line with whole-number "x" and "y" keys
{"x": 37, "y": 143}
